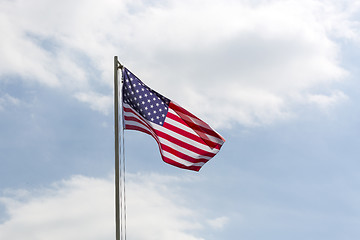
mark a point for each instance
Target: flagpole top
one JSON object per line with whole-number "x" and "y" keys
{"x": 119, "y": 65}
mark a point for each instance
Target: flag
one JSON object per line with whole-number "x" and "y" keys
{"x": 184, "y": 140}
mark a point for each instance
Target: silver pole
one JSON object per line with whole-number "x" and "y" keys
{"x": 116, "y": 119}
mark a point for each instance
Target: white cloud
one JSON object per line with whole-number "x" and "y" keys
{"x": 83, "y": 208}
{"x": 327, "y": 101}
{"x": 96, "y": 101}
{"x": 218, "y": 223}
{"x": 236, "y": 62}
{"x": 8, "y": 100}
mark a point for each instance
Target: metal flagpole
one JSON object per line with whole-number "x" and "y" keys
{"x": 116, "y": 119}
{"x": 120, "y": 200}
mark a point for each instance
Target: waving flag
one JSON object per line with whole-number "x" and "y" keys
{"x": 184, "y": 140}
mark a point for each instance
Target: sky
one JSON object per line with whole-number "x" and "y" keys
{"x": 278, "y": 79}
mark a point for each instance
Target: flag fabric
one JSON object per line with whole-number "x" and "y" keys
{"x": 184, "y": 140}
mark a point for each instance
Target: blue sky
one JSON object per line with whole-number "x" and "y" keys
{"x": 278, "y": 79}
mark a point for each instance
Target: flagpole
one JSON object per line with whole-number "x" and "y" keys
{"x": 120, "y": 200}
{"x": 117, "y": 155}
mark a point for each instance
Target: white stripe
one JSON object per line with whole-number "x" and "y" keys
{"x": 201, "y": 123}
{"x": 180, "y": 160}
{"x": 183, "y": 138}
{"x": 147, "y": 130}
{"x": 136, "y": 124}
{"x": 133, "y": 115}
{"x": 182, "y": 150}
{"x": 190, "y": 130}
{"x": 197, "y": 121}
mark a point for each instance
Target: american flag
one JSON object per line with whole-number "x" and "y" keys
{"x": 184, "y": 140}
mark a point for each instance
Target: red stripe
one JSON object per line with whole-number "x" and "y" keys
{"x": 182, "y": 155}
{"x": 192, "y": 126}
{"x": 135, "y": 119}
{"x": 184, "y": 133}
{"x": 133, "y": 127}
{"x": 127, "y": 109}
{"x": 177, "y": 108}
{"x": 183, "y": 144}
{"x": 174, "y": 163}
{"x": 184, "y": 115}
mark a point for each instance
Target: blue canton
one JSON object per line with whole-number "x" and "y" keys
{"x": 148, "y": 103}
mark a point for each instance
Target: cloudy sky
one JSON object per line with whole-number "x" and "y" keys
{"x": 279, "y": 79}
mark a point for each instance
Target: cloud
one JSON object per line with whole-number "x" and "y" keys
{"x": 83, "y": 208}
{"x": 96, "y": 101}
{"x": 7, "y": 100}
{"x": 242, "y": 62}
{"x": 327, "y": 101}
{"x": 218, "y": 223}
